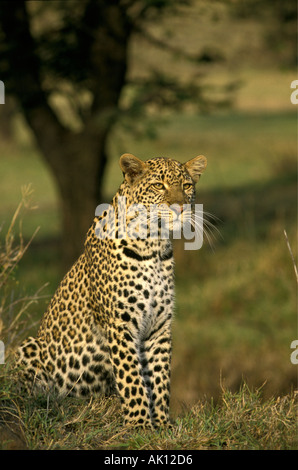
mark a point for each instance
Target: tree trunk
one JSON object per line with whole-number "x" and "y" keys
{"x": 80, "y": 186}
{"x": 77, "y": 162}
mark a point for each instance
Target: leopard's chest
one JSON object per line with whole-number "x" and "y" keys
{"x": 145, "y": 296}
{"x": 137, "y": 288}
{"x": 142, "y": 283}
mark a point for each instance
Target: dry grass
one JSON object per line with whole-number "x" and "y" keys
{"x": 14, "y": 304}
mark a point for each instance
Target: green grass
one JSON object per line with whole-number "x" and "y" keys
{"x": 239, "y": 421}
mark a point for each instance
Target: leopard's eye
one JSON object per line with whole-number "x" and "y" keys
{"x": 187, "y": 186}
{"x": 158, "y": 186}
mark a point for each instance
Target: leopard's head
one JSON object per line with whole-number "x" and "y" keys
{"x": 163, "y": 183}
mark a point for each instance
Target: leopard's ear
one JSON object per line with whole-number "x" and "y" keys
{"x": 196, "y": 166}
{"x": 132, "y": 167}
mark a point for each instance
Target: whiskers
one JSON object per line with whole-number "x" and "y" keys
{"x": 190, "y": 223}
{"x": 205, "y": 221}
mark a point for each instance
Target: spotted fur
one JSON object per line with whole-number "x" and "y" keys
{"x": 108, "y": 327}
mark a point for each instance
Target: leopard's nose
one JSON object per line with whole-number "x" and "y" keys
{"x": 177, "y": 208}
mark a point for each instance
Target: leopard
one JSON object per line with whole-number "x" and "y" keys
{"x": 108, "y": 328}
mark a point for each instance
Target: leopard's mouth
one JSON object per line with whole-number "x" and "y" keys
{"x": 175, "y": 217}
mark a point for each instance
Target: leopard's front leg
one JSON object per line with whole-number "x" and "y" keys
{"x": 127, "y": 371}
{"x": 156, "y": 362}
